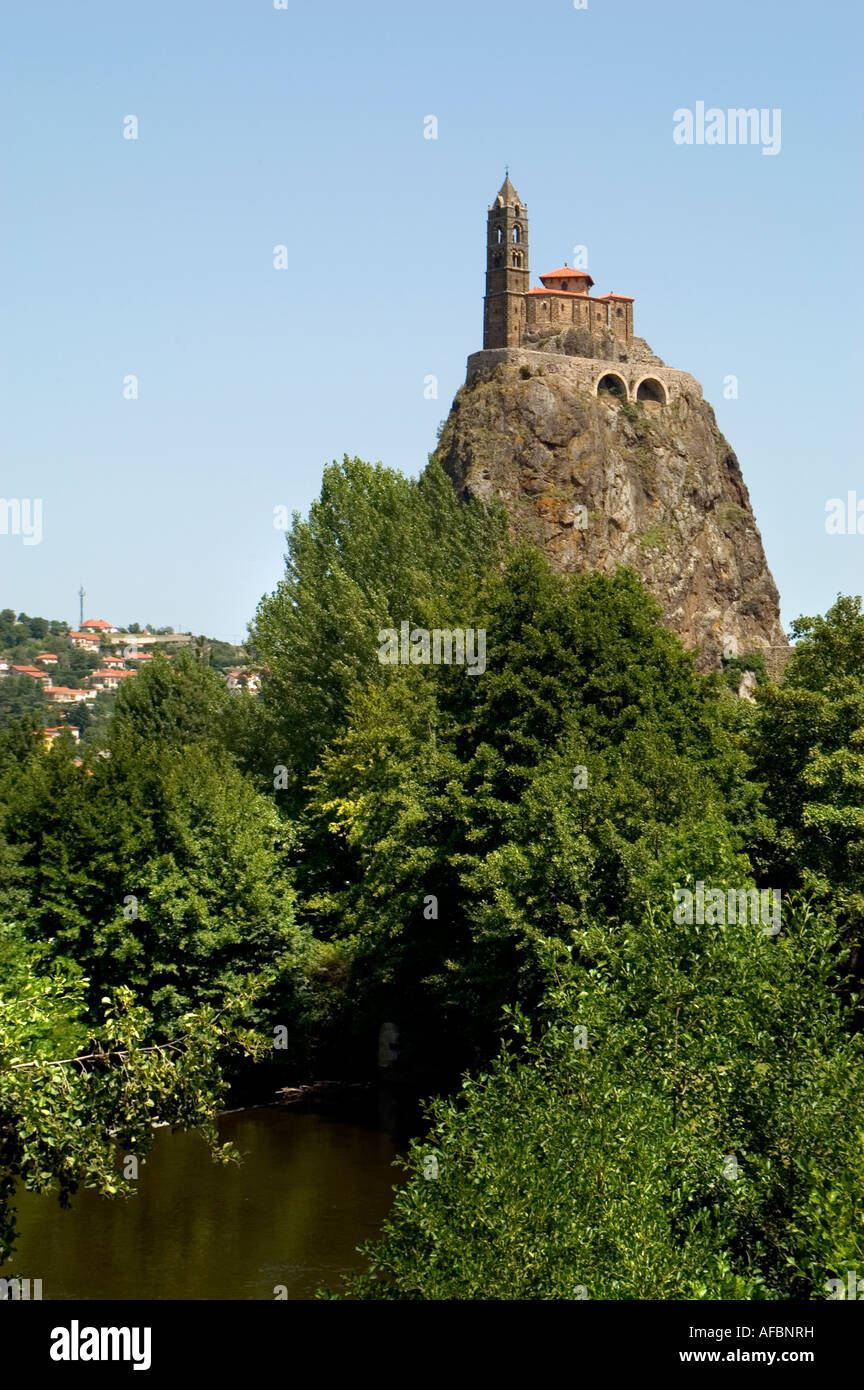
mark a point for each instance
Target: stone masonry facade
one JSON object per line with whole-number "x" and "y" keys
{"x": 591, "y": 336}
{"x": 631, "y": 380}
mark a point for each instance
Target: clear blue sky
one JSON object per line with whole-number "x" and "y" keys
{"x": 304, "y": 127}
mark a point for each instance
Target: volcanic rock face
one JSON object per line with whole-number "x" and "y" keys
{"x": 599, "y": 481}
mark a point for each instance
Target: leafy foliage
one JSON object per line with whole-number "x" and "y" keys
{"x": 376, "y": 550}
{"x": 477, "y": 857}
{"x": 708, "y": 1142}
{"x": 462, "y": 788}
{"x": 79, "y": 1089}
{"x": 159, "y": 868}
{"x": 808, "y": 749}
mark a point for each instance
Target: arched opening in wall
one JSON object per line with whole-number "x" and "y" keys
{"x": 515, "y": 233}
{"x": 517, "y": 258}
{"x": 500, "y": 235}
{"x": 612, "y": 385}
{"x": 651, "y": 390}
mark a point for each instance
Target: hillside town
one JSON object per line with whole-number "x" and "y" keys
{"x": 96, "y": 659}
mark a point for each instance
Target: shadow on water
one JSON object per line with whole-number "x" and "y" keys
{"x": 316, "y": 1180}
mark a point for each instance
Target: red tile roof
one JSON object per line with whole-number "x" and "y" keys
{"x": 100, "y": 623}
{"x": 626, "y": 297}
{"x": 565, "y": 294}
{"x": 566, "y": 273}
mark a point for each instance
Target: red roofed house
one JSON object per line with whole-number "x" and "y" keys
{"x": 108, "y": 680}
{"x": 65, "y": 695}
{"x": 97, "y": 625}
{"x": 87, "y": 641}
{"x": 32, "y": 671}
{"x": 47, "y": 658}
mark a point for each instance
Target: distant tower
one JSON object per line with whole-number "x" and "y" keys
{"x": 507, "y": 274}
{"x": 81, "y": 606}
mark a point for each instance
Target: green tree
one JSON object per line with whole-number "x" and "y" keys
{"x": 77, "y": 1091}
{"x": 154, "y": 863}
{"x": 158, "y": 868}
{"x": 170, "y": 703}
{"x": 462, "y": 788}
{"x": 690, "y": 1127}
{"x": 377, "y": 549}
{"x": 808, "y": 750}
{"x": 20, "y": 696}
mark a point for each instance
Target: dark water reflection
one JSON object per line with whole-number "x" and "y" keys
{"x": 312, "y": 1186}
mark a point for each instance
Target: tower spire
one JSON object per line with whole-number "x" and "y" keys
{"x": 507, "y": 273}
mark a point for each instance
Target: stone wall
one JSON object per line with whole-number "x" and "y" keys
{"x": 558, "y": 311}
{"x": 587, "y": 372}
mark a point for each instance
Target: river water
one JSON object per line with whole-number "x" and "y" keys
{"x": 313, "y": 1185}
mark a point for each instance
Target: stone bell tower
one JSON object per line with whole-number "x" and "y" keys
{"x": 507, "y": 273}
